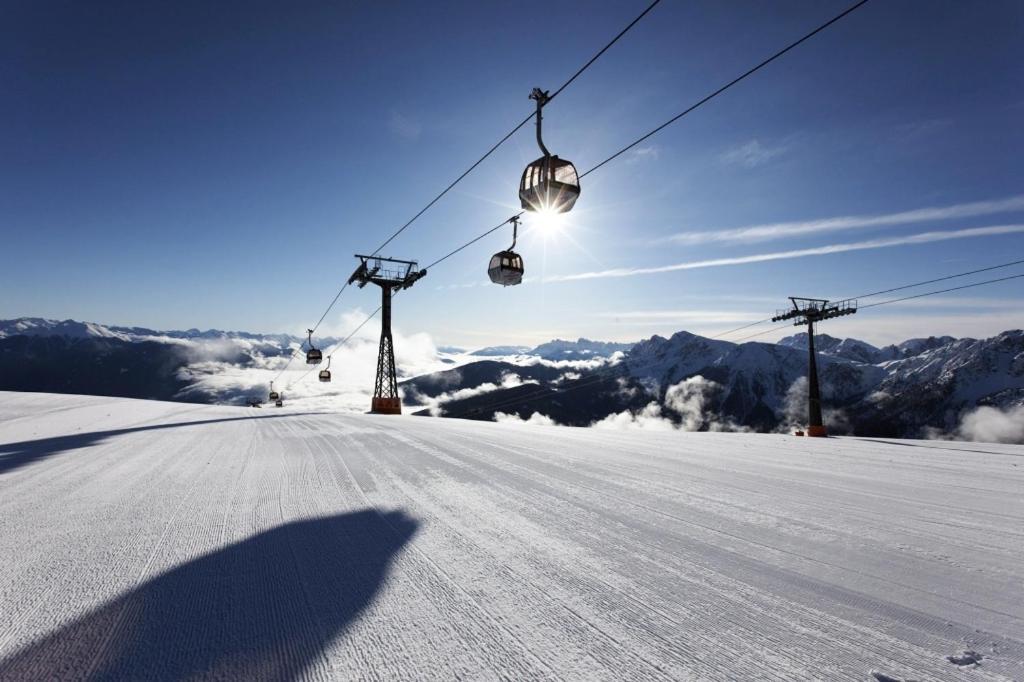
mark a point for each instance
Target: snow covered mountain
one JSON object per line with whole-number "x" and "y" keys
{"x": 85, "y": 357}
{"x": 497, "y": 351}
{"x": 559, "y": 349}
{"x": 72, "y": 329}
{"x": 580, "y": 349}
{"x": 919, "y": 388}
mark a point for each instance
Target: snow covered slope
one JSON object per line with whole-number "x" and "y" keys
{"x": 149, "y": 540}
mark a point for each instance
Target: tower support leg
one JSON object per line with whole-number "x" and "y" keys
{"x": 385, "y": 390}
{"x": 815, "y": 427}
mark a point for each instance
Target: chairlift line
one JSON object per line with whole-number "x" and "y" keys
{"x": 728, "y": 85}
{"x": 610, "y": 371}
{"x": 516, "y": 129}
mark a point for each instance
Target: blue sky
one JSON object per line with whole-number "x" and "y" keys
{"x": 179, "y": 165}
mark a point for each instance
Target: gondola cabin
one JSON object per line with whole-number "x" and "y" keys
{"x": 506, "y": 268}
{"x": 549, "y": 184}
{"x": 314, "y": 356}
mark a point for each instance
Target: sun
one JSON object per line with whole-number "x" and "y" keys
{"x": 549, "y": 222}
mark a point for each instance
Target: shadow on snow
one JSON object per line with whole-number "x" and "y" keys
{"x": 16, "y": 455}
{"x": 263, "y": 608}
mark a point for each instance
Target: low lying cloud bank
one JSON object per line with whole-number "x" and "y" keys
{"x": 686, "y": 408}
{"x": 992, "y": 425}
{"x": 536, "y": 419}
{"x": 794, "y": 410}
{"x": 436, "y": 404}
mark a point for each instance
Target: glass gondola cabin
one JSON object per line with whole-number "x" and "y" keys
{"x": 506, "y": 268}
{"x": 314, "y": 356}
{"x": 549, "y": 184}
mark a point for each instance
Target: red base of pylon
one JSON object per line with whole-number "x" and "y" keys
{"x": 386, "y": 406}
{"x": 817, "y": 432}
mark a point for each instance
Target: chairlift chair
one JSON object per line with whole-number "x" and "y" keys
{"x": 506, "y": 267}
{"x": 325, "y": 373}
{"x": 313, "y": 356}
{"x": 549, "y": 184}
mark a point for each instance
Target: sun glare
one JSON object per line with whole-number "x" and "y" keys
{"x": 549, "y": 222}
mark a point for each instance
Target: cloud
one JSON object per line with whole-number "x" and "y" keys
{"x": 657, "y": 317}
{"x": 689, "y": 399}
{"x": 536, "y": 419}
{"x": 911, "y": 132}
{"x": 353, "y": 368}
{"x": 770, "y": 231}
{"x": 403, "y": 126}
{"x": 752, "y": 154}
{"x": 794, "y": 410}
{"x": 592, "y": 363}
{"x": 639, "y": 154}
{"x": 993, "y": 425}
{"x": 647, "y": 419}
{"x": 508, "y": 380}
{"x": 921, "y": 238}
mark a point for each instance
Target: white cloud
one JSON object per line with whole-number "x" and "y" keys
{"x": 536, "y": 419}
{"x": 689, "y": 399}
{"x": 911, "y": 132}
{"x": 647, "y": 419}
{"x": 752, "y": 154}
{"x": 794, "y": 410}
{"x": 353, "y": 368}
{"x": 769, "y": 231}
{"x": 403, "y": 126}
{"x": 436, "y": 404}
{"x": 921, "y": 238}
{"x": 639, "y": 154}
{"x": 657, "y": 317}
{"x": 993, "y": 425}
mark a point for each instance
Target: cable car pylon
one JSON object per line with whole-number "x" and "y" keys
{"x": 808, "y": 311}
{"x": 390, "y": 275}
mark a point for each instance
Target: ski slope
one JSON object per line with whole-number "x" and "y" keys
{"x": 148, "y": 540}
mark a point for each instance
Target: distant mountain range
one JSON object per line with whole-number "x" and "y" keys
{"x": 581, "y": 349}
{"x": 911, "y": 389}
{"x": 71, "y": 329}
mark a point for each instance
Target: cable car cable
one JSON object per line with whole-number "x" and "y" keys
{"x": 516, "y": 128}
{"x": 613, "y": 156}
{"x": 481, "y": 160}
{"x": 602, "y": 375}
{"x": 339, "y": 344}
{"x": 670, "y": 121}
{"x": 887, "y": 291}
{"x": 474, "y": 240}
{"x": 940, "y": 291}
{"x": 728, "y": 85}
{"x": 939, "y": 279}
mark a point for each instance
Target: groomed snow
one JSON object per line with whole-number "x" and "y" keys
{"x": 147, "y": 540}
